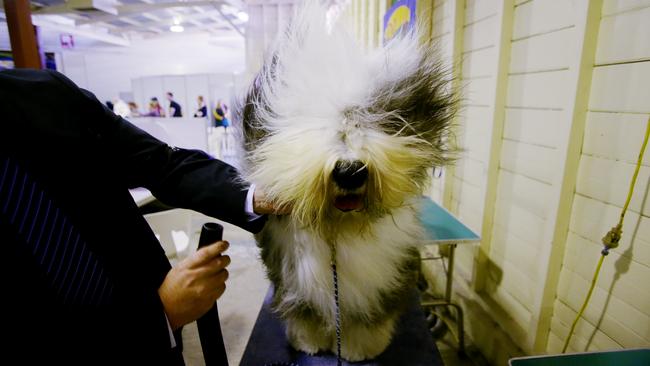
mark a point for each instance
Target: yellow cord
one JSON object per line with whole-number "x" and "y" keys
{"x": 611, "y": 239}
{"x": 584, "y": 305}
{"x": 636, "y": 173}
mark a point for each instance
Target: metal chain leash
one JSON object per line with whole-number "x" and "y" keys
{"x": 336, "y": 304}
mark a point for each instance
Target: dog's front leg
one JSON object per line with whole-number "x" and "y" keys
{"x": 308, "y": 336}
{"x": 365, "y": 342}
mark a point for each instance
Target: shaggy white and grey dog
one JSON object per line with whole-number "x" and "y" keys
{"x": 344, "y": 137}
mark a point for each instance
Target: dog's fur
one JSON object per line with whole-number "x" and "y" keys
{"x": 319, "y": 100}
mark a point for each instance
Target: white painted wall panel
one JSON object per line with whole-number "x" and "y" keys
{"x": 505, "y": 300}
{"x": 542, "y": 16}
{"x": 480, "y": 34}
{"x": 474, "y": 146}
{"x": 520, "y": 222}
{"x": 532, "y": 161}
{"x": 551, "y": 51}
{"x": 532, "y": 126}
{"x": 475, "y": 119}
{"x": 470, "y": 216}
{"x": 621, "y": 88}
{"x": 444, "y": 47}
{"x": 479, "y": 9}
{"x": 518, "y": 190}
{"x": 472, "y": 171}
{"x": 470, "y": 194}
{"x": 624, "y": 37}
{"x": 609, "y": 180}
{"x": 611, "y": 7}
{"x": 516, "y": 282}
{"x": 479, "y": 91}
{"x": 515, "y": 250}
{"x": 479, "y": 63}
{"x": 442, "y": 19}
{"x": 539, "y": 90}
{"x": 616, "y": 136}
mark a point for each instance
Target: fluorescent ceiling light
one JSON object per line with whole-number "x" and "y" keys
{"x": 243, "y": 16}
{"x": 176, "y": 28}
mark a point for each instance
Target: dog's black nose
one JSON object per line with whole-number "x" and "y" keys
{"x": 350, "y": 174}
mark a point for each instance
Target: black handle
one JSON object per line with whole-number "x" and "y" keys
{"x": 214, "y": 350}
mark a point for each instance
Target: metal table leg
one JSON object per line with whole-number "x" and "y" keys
{"x": 447, "y": 300}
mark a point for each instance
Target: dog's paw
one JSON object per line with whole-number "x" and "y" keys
{"x": 304, "y": 337}
{"x": 303, "y": 346}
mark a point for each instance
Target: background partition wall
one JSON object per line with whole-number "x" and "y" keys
{"x": 186, "y": 89}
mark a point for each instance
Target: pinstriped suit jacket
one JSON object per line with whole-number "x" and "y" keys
{"x": 84, "y": 159}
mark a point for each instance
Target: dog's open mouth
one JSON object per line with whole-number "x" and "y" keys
{"x": 349, "y": 202}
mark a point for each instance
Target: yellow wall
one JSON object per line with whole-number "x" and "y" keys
{"x": 556, "y": 97}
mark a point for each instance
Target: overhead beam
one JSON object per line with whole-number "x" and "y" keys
{"x": 24, "y": 47}
{"x": 103, "y": 37}
{"x": 232, "y": 24}
{"x": 194, "y": 19}
{"x": 143, "y": 8}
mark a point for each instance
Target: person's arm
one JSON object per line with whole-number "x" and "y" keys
{"x": 177, "y": 177}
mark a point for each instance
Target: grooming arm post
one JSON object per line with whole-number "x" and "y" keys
{"x": 214, "y": 350}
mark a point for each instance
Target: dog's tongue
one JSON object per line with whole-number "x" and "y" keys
{"x": 348, "y": 202}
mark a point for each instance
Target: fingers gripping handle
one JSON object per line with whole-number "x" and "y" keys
{"x": 214, "y": 350}
{"x": 210, "y": 233}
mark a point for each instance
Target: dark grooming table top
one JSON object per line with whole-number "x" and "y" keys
{"x": 412, "y": 344}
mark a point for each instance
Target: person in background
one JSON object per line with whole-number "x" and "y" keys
{"x": 203, "y": 109}
{"x": 133, "y": 108}
{"x": 174, "y": 108}
{"x": 220, "y": 116}
{"x": 155, "y": 109}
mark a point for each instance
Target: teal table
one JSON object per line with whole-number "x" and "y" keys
{"x": 626, "y": 357}
{"x": 443, "y": 228}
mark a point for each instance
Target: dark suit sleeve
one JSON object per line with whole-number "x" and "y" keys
{"x": 177, "y": 177}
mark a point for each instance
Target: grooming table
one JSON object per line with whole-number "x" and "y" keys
{"x": 412, "y": 343}
{"x": 443, "y": 228}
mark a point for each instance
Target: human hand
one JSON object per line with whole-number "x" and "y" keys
{"x": 262, "y": 206}
{"x": 190, "y": 289}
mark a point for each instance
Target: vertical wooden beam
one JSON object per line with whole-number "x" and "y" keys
{"x": 505, "y": 19}
{"x": 373, "y": 23}
{"x": 424, "y": 19}
{"x": 587, "y": 23}
{"x": 24, "y": 47}
{"x": 383, "y": 6}
{"x": 364, "y": 23}
{"x": 456, "y": 64}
